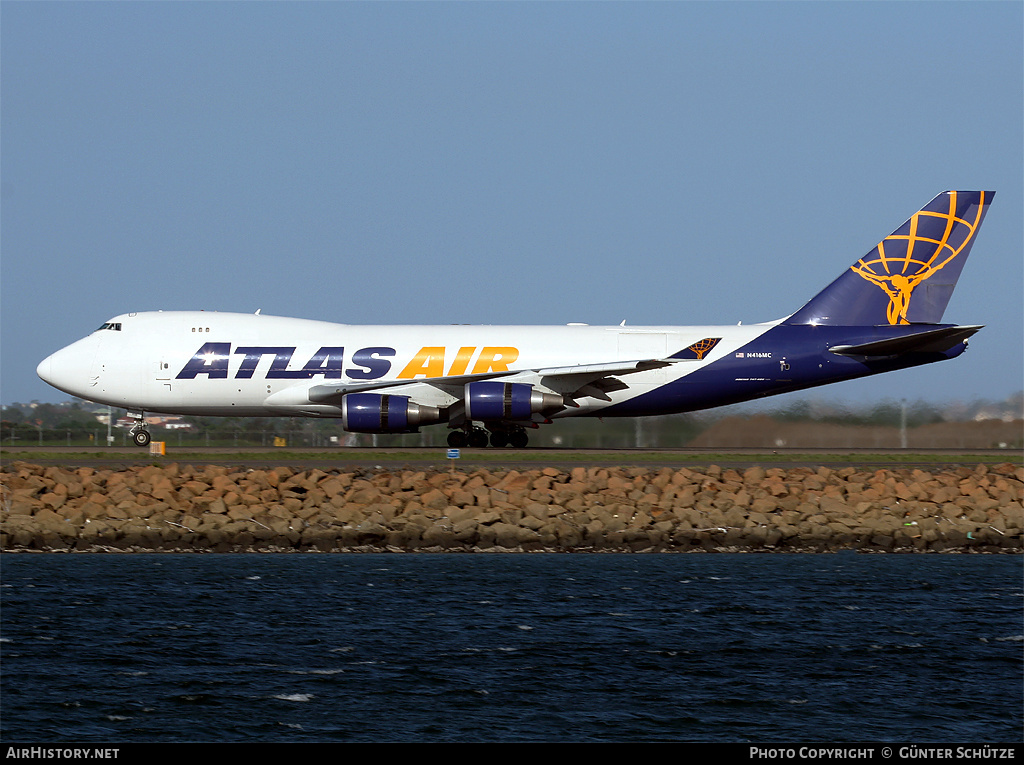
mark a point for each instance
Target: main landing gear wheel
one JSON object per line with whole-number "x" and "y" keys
{"x": 518, "y": 439}
{"x": 477, "y": 438}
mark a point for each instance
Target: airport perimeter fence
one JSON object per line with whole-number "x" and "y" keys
{"x": 24, "y": 437}
{"x": 570, "y": 434}
{"x": 627, "y": 433}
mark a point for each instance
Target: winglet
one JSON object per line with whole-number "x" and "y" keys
{"x": 909, "y": 276}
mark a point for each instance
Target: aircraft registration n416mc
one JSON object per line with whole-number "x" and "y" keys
{"x": 492, "y": 384}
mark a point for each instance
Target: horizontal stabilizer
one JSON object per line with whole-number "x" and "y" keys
{"x": 929, "y": 341}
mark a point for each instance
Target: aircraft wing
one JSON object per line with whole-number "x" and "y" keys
{"x": 928, "y": 341}
{"x": 575, "y": 381}
{"x": 331, "y": 394}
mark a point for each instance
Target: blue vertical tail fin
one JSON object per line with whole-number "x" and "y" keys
{"x": 909, "y": 276}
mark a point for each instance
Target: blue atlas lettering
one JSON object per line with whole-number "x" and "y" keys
{"x": 373, "y": 367}
{"x": 327, "y": 362}
{"x": 279, "y": 368}
{"x": 211, "y": 359}
{"x": 253, "y": 356}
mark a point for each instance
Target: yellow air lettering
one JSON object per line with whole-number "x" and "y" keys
{"x": 429, "y": 362}
{"x": 495, "y": 359}
{"x": 461, "y": 362}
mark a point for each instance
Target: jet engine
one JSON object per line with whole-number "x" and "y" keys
{"x": 383, "y": 413}
{"x": 494, "y": 400}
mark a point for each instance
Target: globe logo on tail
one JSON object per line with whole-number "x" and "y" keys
{"x": 918, "y": 250}
{"x": 698, "y": 350}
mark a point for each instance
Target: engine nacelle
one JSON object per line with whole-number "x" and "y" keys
{"x": 490, "y": 400}
{"x": 383, "y": 413}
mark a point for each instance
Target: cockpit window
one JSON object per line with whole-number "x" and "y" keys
{"x": 116, "y": 326}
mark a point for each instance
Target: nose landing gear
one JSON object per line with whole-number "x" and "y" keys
{"x": 139, "y": 432}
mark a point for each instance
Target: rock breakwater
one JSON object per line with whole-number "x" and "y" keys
{"x": 176, "y": 507}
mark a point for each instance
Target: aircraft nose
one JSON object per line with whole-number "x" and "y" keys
{"x": 68, "y": 369}
{"x": 43, "y": 370}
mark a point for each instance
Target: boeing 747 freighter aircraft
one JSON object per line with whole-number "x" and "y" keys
{"x": 494, "y": 383}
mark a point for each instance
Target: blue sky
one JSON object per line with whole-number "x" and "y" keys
{"x": 500, "y": 162}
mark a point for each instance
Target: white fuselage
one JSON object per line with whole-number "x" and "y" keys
{"x": 209, "y": 363}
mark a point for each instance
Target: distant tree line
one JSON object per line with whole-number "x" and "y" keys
{"x": 917, "y": 413}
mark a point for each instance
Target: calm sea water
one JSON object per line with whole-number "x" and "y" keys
{"x": 511, "y": 647}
